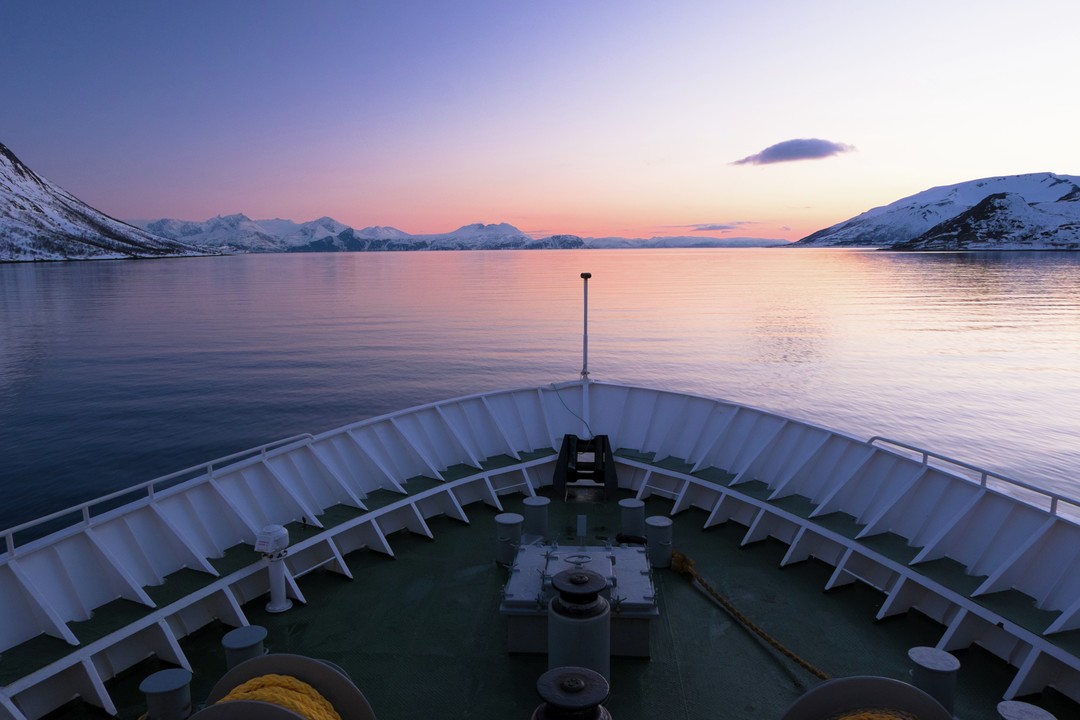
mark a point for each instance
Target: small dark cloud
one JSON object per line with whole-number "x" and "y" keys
{"x": 785, "y": 228}
{"x": 714, "y": 227}
{"x": 800, "y": 149}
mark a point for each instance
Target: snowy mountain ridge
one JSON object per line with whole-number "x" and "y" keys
{"x": 1042, "y": 214}
{"x": 238, "y": 233}
{"x": 229, "y": 233}
{"x": 41, "y": 221}
{"x": 1005, "y": 221}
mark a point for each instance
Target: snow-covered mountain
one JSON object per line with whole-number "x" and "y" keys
{"x": 1005, "y": 221}
{"x": 238, "y": 233}
{"x": 478, "y": 236}
{"x": 381, "y": 232}
{"x": 41, "y": 221}
{"x": 1041, "y": 213}
{"x": 315, "y": 230}
{"x": 496, "y": 236}
{"x": 227, "y": 233}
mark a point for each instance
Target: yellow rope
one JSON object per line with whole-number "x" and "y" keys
{"x": 684, "y": 565}
{"x": 287, "y": 692}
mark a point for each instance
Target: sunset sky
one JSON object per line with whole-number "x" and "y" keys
{"x": 624, "y": 118}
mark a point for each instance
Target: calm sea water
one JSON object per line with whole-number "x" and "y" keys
{"x": 112, "y": 373}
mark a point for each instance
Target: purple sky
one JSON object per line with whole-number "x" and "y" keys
{"x": 596, "y": 118}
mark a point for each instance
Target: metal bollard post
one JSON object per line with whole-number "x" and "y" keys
{"x": 1016, "y": 710}
{"x": 168, "y": 694}
{"x": 508, "y": 537}
{"x": 934, "y": 672}
{"x": 658, "y": 539}
{"x": 632, "y": 517}
{"x": 536, "y": 518}
{"x": 242, "y": 644}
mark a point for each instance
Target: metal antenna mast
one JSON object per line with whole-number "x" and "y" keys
{"x": 585, "y": 336}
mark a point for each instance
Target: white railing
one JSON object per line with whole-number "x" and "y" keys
{"x": 150, "y": 486}
{"x": 983, "y": 474}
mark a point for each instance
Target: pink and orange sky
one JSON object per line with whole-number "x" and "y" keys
{"x": 595, "y": 118}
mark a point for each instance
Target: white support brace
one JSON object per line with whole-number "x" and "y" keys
{"x": 964, "y": 629}
{"x": 292, "y": 589}
{"x": 901, "y": 598}
{"x": 716, "y": 439}
{"x": 310, "y": 513}
{"x": 999, "y": 578}
{"x": 452, "y": 429}
{"x": 420, "y": 527}
{"x": 841, "y": 577}
{"x": 747, "y": 473}
{"x": 930, "y": 550}
{"x": 895, "y": 494}
{"x": 498, "y": 426}
{"x": 782, "y": 483}
{"x": 641, "y": 494}
{"x": 528, "y": 482}
{"x": 228, "y": 503}
{"x": 799, "y": 549}
{"x": 338, "y": 565}
{"x": 1036, "y": 672}
{"x": 8, "y": 711}
{"x": 418, "y": 448}
{"x": 363, "y": 447}
{"x": 170, "y": 650}
{"x": 228, "y": 609}
{"x": 700, "y": 449}
{"x": 1069, "y": 619}
{"x": 46, "y": 614}
{"x": 194, "y": 557}
{"x": 759, "y": 528}
{"x": 382, "y": 545}
{"x": 681, "y": 502}
{"x": 345, "y": 487}
{"x": 135, "y": 592}
{"x": 825, "y": 506}
{"x": 715, "y": 512}
{"x": 493, "y": 498}
{"x": 92, "y": 689}
{"x": 542, "y": 404}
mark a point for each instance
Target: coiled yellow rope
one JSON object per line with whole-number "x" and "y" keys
{"x": 875, "y": 714}
{"x": 287, "y": 692}
{"x": 682, "y": 564}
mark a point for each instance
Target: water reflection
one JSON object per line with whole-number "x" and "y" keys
{"x": 113, "y": 372}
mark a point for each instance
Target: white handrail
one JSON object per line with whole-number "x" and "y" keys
{"x": 984, "y": 474}
{"x": 149, "y": 485}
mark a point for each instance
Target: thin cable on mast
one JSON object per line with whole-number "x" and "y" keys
{"x": 585, "y": 335}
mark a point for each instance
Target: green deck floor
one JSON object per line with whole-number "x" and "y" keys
{"x": 421, "y": 636}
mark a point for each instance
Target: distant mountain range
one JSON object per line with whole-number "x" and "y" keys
{"x": 239, "y": 233}
{"x": 1039, "y": 211}
{"x": 40, "y": 221}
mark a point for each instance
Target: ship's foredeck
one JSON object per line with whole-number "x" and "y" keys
{"x": 772, "y": 510}
{"x": 421, "y": 635}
